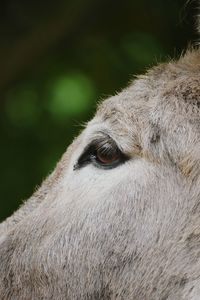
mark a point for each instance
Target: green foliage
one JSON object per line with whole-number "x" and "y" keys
{"x": 70, "y": 95}
{"x": 142, "y": 49}
{"x": 22, "y": 107}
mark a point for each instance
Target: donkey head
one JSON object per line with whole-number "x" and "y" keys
{"x": 119, "y": 218}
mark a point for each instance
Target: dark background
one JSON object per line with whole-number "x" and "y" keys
{"x": 57, "y": 59}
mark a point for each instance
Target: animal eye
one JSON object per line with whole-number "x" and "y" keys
{"x": 107, "y": 157}
{"x": 102, "y": 153}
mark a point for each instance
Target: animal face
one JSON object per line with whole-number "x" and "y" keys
{"x": 119, "y": 216}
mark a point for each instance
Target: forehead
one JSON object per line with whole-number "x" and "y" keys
{"x": 172, "y": 87}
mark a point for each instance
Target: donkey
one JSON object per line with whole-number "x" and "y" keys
{"x": 119, "y": 218}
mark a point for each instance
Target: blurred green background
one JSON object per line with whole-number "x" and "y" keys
{"x": 57, "y": 59}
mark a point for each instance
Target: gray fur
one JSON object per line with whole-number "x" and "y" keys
{"x": 132, "y": 232}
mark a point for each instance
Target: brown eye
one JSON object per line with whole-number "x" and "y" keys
{"x": 106, "y": 157}
{"x": 102, "y": 153}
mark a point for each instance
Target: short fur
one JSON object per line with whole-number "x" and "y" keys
{"x": 132, "y": 232}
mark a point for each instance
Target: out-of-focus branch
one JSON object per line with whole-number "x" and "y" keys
{"x": 28, "y": 50}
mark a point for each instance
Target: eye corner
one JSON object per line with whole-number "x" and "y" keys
{"x": 76, "y": 166}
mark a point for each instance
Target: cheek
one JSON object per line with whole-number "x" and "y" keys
{"x": 92, "y": 183}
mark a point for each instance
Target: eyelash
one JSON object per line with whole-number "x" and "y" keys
{"x": 105, "y": 147}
